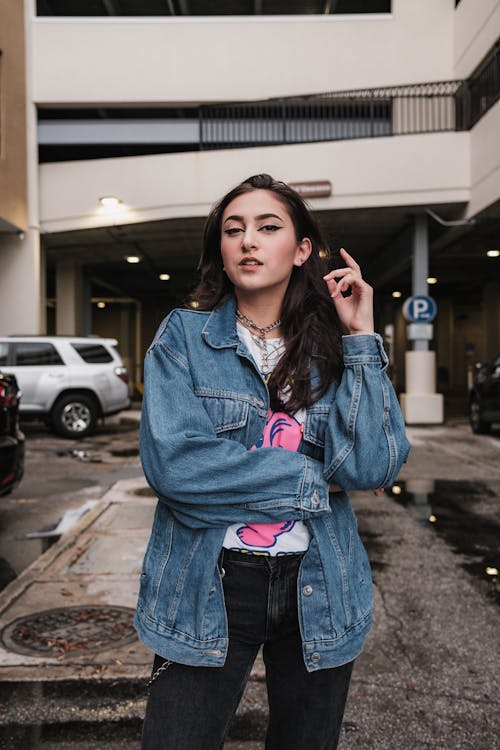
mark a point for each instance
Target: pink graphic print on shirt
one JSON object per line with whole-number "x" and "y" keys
{"x": 281, "y": 431}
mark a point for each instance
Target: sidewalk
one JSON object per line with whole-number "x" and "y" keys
{"x": 428, "y": 677}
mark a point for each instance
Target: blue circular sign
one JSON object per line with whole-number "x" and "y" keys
{"x": 419, "y": 309}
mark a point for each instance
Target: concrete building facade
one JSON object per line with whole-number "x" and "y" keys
{"x": 116, "y": 105}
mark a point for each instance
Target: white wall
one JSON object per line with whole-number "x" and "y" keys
{"x": 397, "y": 170}
{"x": 476, "y": 29}
{"x": 123, "y": 60}
{"x": 485, "y": 161}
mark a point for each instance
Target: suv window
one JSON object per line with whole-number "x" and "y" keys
{"x": 37, "y": 353}
{"x": 4, "y": 352}
{"x": 93, "y": 353}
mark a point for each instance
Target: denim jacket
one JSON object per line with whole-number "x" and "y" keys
{"x": 205, "y": 404}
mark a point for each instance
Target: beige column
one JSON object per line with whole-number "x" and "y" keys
{"x": 22, "y": 309}
{"x": 20, "y": 281}
{"x": 70, "y": 319}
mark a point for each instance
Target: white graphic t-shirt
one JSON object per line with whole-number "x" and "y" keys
{"x": 284, "y": 431}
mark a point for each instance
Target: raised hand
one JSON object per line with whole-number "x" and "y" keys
{"x": 356, "y": 310}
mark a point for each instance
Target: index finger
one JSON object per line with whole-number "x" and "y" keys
{"x": 349, "y": 259}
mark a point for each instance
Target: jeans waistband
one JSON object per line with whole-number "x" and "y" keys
{"x": 255, "y": 558}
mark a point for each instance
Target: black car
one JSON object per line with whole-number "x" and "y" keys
{"x": 484, "y": 397}
{"x": 11, "y": 438}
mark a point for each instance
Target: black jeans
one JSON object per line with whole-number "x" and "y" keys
{"x": 190, "y": 708}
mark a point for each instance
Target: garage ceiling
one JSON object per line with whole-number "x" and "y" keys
{"x": 380, "y": 239}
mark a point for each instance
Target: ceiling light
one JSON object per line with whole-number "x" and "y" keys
{"x": 432, "y": 519}
{"x": 432, "y": 280}
{"x": 396, "y": 489}
{"x": 493, "y": 253}
{"x": 491, "y": 571}
{"x": 101, "y": 305}
{"x": 133, "y": 259}
{"x": 165, "y": 277}
{"x": 397, "y": 294}
{"x": 110, "y": 201}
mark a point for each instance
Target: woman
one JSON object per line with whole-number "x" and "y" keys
{"x": 258, "y": 414}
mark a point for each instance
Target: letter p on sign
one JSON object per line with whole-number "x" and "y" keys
{"x": 419, "y": 309}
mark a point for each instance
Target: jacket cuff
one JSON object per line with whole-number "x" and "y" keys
{"x": 364, "y": 349}
{"x": 315, "y": 495}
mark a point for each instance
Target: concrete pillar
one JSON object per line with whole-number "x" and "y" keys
{"x": 420, "y": 403}
{"x": 444, "y": 337}
{"x": 420, "y": 267}
{"x": 70, "y": 318}
{"x": 490, "y": 310}
{"x": 20, "y": 281}
{"x": 87, "y": 304}
{"x": 22, "y": 296}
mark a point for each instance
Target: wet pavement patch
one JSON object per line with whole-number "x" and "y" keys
{"x": 145, "y": 492}
{"x": 125, "y": 452}
{"x": 56, "y": 632}
{"x": 448, "y": 508}
{"x": 375, "y": 549}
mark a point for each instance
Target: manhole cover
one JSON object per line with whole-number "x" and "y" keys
{"x": 70, "y": 629}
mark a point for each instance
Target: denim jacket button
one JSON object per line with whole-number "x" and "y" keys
{"x": 315, "y": 657}
{"x": 315, "y": 498}
{"x": 307, "y": 590}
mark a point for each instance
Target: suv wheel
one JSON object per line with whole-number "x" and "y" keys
{"x": 75, "y": 415}
{"x": 478, "y": 425}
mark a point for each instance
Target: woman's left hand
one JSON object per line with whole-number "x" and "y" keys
{"x": 356, "y": 311}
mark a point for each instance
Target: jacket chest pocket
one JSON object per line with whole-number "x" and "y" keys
{"x": 228, "y": 412}
{"x": 315, "y": 425}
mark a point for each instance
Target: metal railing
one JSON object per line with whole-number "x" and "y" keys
{"x": 480, "y": 92}
{"x": 367, "y": 113}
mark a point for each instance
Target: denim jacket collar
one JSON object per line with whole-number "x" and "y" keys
{"x": 220, "y": 330}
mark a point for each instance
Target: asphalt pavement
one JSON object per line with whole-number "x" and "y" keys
{"x": 73, "y": 675}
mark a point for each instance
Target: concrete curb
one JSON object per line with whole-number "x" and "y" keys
{"x": 86, "y": 566}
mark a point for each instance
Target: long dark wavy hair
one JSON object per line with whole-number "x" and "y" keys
{"x": 310, "y": 324}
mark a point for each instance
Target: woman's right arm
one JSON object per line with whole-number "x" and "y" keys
{"x": 207, "y": 480}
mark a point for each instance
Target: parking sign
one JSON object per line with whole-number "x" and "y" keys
{"x": 419, "y": 309}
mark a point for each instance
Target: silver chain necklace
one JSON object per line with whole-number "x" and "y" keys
{"x": 261, "y": 329}
{"x": 260, "y": 338}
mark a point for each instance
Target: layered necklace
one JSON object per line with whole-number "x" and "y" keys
{"x": 260, "y": 337}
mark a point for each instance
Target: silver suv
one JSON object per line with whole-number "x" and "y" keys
{"x": 69, "y": 382}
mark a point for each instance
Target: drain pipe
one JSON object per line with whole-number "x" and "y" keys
{"x": 454, "y": 223}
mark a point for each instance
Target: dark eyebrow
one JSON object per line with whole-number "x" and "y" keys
{"x": 260, "y": 217}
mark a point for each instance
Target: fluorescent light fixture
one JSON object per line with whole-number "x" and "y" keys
{"x": 432, "y": 280}
{"x": 110, "y": 201}
{"x": 133, "y": 259}
{"x": 396, "y": 294}
{"x": 101, "y": 305}
{"x": 164, "y": 277}
{"x": 493, "y": 253}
